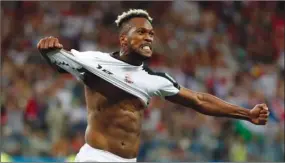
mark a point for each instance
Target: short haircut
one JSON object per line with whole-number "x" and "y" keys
{"x": 132, "y": 13}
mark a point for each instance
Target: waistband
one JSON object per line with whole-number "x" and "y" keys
{"x": 104, "y": 155}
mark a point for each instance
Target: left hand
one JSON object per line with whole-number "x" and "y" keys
{"x": 259, "y": 114}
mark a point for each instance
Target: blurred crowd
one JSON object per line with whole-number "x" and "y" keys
{"x": 233, "y": 50}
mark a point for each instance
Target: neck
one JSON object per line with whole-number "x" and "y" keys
{"x": 130, "y": 59}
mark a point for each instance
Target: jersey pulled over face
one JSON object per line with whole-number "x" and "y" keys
{"x": 140, "y": 37}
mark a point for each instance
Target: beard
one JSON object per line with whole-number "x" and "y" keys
{"x": 136, "y": 53}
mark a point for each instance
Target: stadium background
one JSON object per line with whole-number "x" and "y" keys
{"x": 234, "y": 50}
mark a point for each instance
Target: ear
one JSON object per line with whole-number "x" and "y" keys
{"x": 123, "y": 39}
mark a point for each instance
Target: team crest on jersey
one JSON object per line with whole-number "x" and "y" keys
{"x": 128, "y": 78}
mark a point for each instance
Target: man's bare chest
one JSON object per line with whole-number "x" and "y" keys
{"x": 109, "y": 94}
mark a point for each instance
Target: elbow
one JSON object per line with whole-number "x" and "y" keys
{"x": 201, "y": 104}
{"x": 199, "y": 100}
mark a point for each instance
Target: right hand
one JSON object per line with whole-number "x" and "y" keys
{"x": 259, "y": 114}
{"x": 49, "y": 43}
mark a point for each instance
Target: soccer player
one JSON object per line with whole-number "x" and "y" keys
{"x": 119, "y": 86}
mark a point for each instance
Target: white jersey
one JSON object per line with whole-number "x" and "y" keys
{"x": 139, "y": 81}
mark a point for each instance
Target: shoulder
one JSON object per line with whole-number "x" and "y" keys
{"x": 167, "y": 78}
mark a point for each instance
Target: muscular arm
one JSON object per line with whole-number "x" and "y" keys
{"x": 209, "y": 105}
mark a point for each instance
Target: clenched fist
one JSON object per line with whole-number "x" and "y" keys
{"x": 48, "y": 43}
{"x": 259, "y": 114}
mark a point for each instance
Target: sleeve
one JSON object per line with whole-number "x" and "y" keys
{"x": 48, "y": 60}
{"x": 63, "y": 62}
{"x": 168, "y": 86}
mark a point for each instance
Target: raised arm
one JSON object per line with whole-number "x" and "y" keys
{"x": 50, "y": 44}
{"x": 210, "y": 105}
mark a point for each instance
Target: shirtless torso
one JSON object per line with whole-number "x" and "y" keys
{"x": 114, "y": 118}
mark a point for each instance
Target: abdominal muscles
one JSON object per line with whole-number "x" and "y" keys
{"x": 114, "y": 124}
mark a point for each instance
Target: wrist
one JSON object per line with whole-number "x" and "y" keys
{"x": 243, "y": 113}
